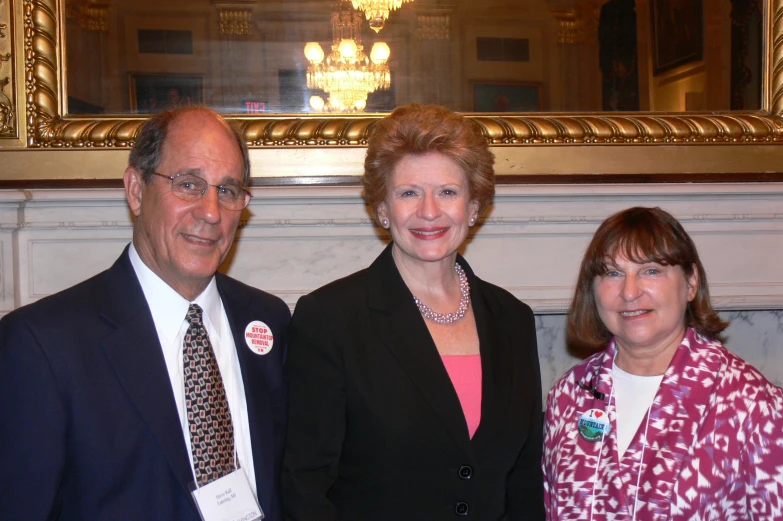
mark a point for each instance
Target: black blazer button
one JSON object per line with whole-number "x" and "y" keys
{"x": 465, "y": 471}
{"x": 461, "y": 508}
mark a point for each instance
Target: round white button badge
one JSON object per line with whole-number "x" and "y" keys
{"x": 259, "y": 337}
{"x": 594, "y": 425}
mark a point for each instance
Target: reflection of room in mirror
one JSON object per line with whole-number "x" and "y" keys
{"x": 347, "y": 76}
{"x": 377, "y": 11}
{"x": 501, "y": 97}
{"x": 151, "y": 93}
{"x": 248, "y": 57}
{"x": 677, "y": 27}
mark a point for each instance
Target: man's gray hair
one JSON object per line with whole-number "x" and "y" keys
{"x": 146, "y": 153}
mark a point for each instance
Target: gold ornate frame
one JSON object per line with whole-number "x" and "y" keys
{"x": 45, "y": 125}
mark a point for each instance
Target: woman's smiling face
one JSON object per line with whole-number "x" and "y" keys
{"x": 428, "y": 208}
{"x": 644, "y": 305}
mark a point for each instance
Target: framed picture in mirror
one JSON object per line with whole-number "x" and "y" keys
{"x": 678, "y": 33}
{"x": 506, "y": 96}
{"x": 151, "y": 93}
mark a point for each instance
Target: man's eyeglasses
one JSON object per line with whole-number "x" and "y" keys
{"x": 190, "y": 187}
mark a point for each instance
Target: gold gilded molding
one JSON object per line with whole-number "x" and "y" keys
{"x": 773, "y": 81}
{"x": 235, "y": 17}
{"x": 49, "y": 128}
{"x": 569, "y": 25}
{"x": 41, "y": 68}
{"x": 434, "y": 24}
{"x": 3, "y": 25}
{"x": 8, "y": 127}
{"x": 94, "y": 16}
{"x": 235, "y": 21}
{"x": 7, "y": 113}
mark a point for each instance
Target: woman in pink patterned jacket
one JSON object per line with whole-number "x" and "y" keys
{"x": 664, "y": 423}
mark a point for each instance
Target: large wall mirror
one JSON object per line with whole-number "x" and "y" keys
{"x": 317, "y": 73}
{"x": 344, "y": 56}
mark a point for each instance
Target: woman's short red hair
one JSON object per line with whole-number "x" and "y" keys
{"x": 421, "y": 129}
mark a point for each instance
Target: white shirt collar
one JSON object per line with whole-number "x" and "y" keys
{"x": 168, "y": 307}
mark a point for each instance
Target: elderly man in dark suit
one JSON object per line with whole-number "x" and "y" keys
{"x": 149, "y": 390}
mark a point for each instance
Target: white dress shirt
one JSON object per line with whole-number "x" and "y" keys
{"x": 168, "y": 312}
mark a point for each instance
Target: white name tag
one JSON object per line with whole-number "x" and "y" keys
{"x": 229, "y": 498}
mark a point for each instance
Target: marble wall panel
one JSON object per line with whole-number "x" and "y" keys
{"x": 755, "y": 336}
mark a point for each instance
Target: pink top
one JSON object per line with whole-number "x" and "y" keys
{"x": 465, "y": 374}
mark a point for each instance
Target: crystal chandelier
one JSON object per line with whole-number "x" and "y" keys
{"x": 377, "y": 11}
{"x": 347, "y": 74}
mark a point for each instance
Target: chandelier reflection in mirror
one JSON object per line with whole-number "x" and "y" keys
{"x": 347, "y": 74}
{"x": 377, "y": 11}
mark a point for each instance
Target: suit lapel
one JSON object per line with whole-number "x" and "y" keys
{"x": 133, "y": 350}
{"x": 496, "y": 359}
{"x": 402, "y": 331}
{"x": 253, "y": 368}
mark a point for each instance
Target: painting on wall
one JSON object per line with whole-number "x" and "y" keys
{"x": 678, "y": 33}
{"x": 499, "y": 96}
{"x": 155, "y": 92}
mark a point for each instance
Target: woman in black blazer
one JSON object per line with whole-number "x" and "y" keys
{"x": 415, "y": 391}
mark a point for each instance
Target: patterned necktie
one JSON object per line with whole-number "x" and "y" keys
{"x": 209, "y": 418}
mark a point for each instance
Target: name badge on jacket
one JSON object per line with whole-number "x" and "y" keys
{"x": 229, "y": 498}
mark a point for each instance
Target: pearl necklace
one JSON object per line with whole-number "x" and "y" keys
{"x": 464, "y": 302}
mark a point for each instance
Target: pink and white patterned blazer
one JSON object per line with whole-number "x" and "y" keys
{"x": 714, "y": 448}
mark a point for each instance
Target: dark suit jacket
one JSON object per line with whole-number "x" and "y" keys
{"x": 376, "y": 430}
{"x": 89, "y": 428}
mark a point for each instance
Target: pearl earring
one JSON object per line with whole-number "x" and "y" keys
{"x": 385, "y": 223}
{"x": 472, "y": 221}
